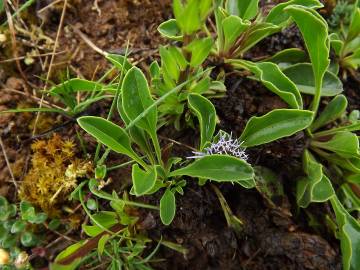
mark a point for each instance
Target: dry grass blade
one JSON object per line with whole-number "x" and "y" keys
{"x": 51, "y": 63}
{"x": 8, "y": 165}
{"x": 13, "y": 43}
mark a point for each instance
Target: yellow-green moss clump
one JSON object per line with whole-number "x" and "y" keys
{"x": 53, "y": 174}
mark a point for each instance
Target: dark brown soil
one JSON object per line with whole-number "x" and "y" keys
{"x": 271, "y": 238}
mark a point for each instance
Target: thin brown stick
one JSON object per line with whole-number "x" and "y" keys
{"x": 23, "y": 57}
{"x": 49, "y": 6}
{"x": 8, "y": 165}
{"x": 51, "y": 63}
{"x": 178, "y": 143}
{"x": 89, "y": 42}
{"x": 13, "y": 43}
{"x": 34, "y": 98}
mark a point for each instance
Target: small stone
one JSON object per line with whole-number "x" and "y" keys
{"x": 4, "y": 257}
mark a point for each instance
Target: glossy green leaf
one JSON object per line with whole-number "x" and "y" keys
{"x": 65, "y": 253}
{"x": 279, "y": 17}
{"x": 245, "y": 9}
{"x": 27, "y": 211}
{"x": 136, "y": 98}
{"x": 4, "y": 209}
{"x": 334, "y": 110}
{"x": 350, "y": 164}
{"x": 28, "y": 239}
{"x": 233, "y": 27}
{"x": 168, "y": 63}
{"x": 205, "y": 112}
{"x": 18, "y": 226}
{"x": 108, "y": 134}
{"x": 143, "y": 181}
{"x": 349, "y": 235}
{"x": 187, "y": 16}
{"x": 170, "y": 30}
{"x": 275, "y": 125}
{"x": 336, "y": 43}
{"x": 349, "y": 198}
{"x": 257, "y": 33}
{"x": 292, "y": 55}
{"x": 200, "y": 49}
{"x": 318, "y": 46}
{"x": 119, "y": 61}
{"x": 91, "y": 204}
{"x": 167, "y": 207}
{"x": 137, "y": 134}
{"x": 354, "y": 28}
{"x": 353, "y": 60}
{"x": 273, "y": 78}
{"x": 9, "y": 241}
{"x": 101, "y": 244}
{"x": 343, "y": 143}
{"x": 220, "y": 168}
{"x": 303, "y": 77}
{"x": 79, "y": 85}
{"x": 177, "y": 54}
{"x": 315, "y": 187}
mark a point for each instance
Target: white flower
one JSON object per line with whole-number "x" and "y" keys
{"x": 223, "y": 144}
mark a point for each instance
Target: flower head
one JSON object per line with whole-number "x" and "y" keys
{"x": 223, "y": 144}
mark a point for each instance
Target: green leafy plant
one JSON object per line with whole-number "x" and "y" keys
{"x": 17, "y": 231}
{"x": 330, "y": 159}
{"x": 345, "y": 36}
{"x": 150, "y": 173}
{"x": 114, "y": 236}
{"x": 240, "y": 25}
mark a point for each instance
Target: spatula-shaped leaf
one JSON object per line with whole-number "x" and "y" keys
{"x": 258, "y": 32}
{"x": 275, "y": 125}
{"x": 167, "y": 207}
{"x": 349, "y": 235}
{"x": 279, "y": 17}
{"x": 200, "y": 49}
{"x": 354, "y": 29}
{"x": 291, "y": 55}
{"x": 205, "y": 112}
{"x": 318, "y": 45}
{"x": 315, "y": 187}
{"x": 170, "y": 30}
{"x": 108, "y": 134}
{"x": 119, "y": 61}
{"x": 232, "y": 27}
{"x": 136, "y": 98}
{"x": 220, "y": 168}
{"x": 143, "y": 181}
{"x": 332, "y": 111}
{"x": 245, "y": 9}
{"x": 303, "y": 77}
{"x": 343, "y": 143}
{"x": 273, "y": 78}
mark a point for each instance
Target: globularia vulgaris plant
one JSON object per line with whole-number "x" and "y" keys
{"x": 333, "y": 149}
{"x": 184, "y": 63}
{"x": 152, "y": 172}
